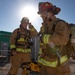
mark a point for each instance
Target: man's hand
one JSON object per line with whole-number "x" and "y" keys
{"x": 30, "y": 26}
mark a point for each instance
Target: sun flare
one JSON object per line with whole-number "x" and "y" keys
{"x": 30, "y": 12}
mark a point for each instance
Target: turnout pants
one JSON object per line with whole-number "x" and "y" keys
{"x": 60, "y": 70}
{"x": 16, "y": 60}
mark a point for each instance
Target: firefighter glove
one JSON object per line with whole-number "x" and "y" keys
{"x": 30, "y": 26}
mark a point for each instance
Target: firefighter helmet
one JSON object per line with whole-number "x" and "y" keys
{"x": 47, "y": 6}
{"x": 25, "y": 19}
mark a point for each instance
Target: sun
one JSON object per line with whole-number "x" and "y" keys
{"x": 29, "y": 11}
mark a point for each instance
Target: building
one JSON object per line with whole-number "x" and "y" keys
{"x": 4, "y": 46}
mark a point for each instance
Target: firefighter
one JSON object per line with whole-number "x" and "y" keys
{"x": 54, "y": 36}
{"x": 20, "y": 47}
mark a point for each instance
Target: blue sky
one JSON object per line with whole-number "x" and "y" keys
{"x": 11, "y": 12}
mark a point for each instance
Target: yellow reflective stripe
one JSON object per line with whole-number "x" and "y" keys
{"x": 40, "y": 51}
{"x": 63, "y": 59}
{"x": 23, "y": 50}
{"x": 21, "y": 39}
{"x": 46, "y": 38}
{"x": 12, "y": 46}
{"x": 54, "y": 63}
{"x": 46, "y": 63}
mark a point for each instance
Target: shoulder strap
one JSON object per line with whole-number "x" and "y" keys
{"x": 54, "y": 24}
{"x": 18, "y": 36}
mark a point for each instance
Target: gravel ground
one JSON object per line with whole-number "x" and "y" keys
{"x": 72, "y": 67}
{"x": 4, "y": 70}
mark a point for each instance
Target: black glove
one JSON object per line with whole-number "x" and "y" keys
{"x": 30, "y": 26}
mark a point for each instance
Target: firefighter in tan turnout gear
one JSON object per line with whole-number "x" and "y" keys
{"x": 20, "y": 48}
{"x": 54, "y": 36}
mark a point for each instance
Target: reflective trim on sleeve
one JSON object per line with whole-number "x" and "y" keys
{"x": 12, "y": 46}
{"x": 46, "y": 38}
{"x": 63, "y": 59}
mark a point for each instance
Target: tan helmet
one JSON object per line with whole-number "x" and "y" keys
{"x": 47, "y": 6}
{"x": 25, "y": 19}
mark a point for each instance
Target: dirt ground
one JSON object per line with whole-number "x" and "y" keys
{"x": 72, "y": 66}
{"x": 4, "y": 70}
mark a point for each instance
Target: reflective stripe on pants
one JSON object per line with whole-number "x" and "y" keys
{"x": 23, "y": 50}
